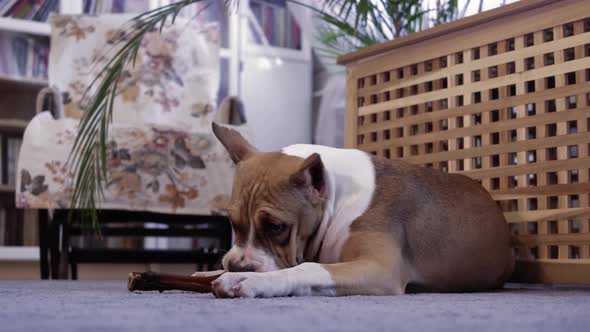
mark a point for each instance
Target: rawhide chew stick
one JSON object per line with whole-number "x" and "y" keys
{"x": 148, "y": 281}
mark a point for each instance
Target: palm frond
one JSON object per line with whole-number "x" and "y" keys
{"x": 361, "y": 23}
{"x": 348, "y": 25}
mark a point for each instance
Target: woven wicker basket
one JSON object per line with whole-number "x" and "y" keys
{"x": 502, "y": 97}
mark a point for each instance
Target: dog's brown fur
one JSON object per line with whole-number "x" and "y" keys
{"x": 449, "y": 229}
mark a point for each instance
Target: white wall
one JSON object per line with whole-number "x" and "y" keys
{"x": 277, "y": 99}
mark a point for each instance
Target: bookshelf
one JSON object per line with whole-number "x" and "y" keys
{"x": 21, "y": 82}
{"x": 19, "y": 86}
{"x": 8, "y": 24}
{"x": 6, "y": 188}
{"x": 13, "y": 124}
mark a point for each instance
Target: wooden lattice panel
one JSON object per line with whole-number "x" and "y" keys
{"x": 502, "y": 97}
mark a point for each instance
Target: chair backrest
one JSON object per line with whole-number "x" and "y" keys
{"x": 174, "y": 80}
{"x": 161, "y": 155}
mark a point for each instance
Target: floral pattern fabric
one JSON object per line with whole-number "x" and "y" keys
{"x": 173, "y": 81}
{"x": 161, "y": 153}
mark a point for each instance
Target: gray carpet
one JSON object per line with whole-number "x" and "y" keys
{"x": 107, "y": 306}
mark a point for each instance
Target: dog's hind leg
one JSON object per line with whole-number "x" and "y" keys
{"x": 365, "y": 277}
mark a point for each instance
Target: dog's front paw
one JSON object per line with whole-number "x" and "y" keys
{"x": 247, "y": 284}
{"x": 227, "y": 284}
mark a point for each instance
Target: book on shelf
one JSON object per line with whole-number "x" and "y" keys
{"x": 2, "y": 225}
{"x": 276, "y": 23}
{"x": 23, "y": 56}
{"x": 5, "y": 6}
{"x": 9, "y": 158}
{"x": 294, "y": 41}
{"x": 18, "y": 227}
{"x": 115, "y": 6}
{"x": 34, "y": 10}
{"x": 48, "y": 7}
{"x": 2, "y": 159}
{"x": 11, "y": 226}
{"x": 13, "y": 145}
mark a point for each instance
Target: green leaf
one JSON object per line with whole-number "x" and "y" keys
{"x": 347, "y": 25}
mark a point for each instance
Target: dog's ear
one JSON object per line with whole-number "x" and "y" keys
{"x": 310, "y": 176}
{"x": 236, "y": 145}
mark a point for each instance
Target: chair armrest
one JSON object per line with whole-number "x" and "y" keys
{"x": 56, "y": 109}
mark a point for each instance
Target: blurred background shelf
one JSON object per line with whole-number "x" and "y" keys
{"x": 10, "y": 82}
{"x": 24, "y": 26}
{"x": 24, "y": 253}
{"x": 7, "y": 188}
{"x": 13, "y": 125}
{"x": 24, "y": 46}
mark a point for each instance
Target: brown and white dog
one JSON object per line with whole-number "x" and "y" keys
{"x": 314, "y": 220}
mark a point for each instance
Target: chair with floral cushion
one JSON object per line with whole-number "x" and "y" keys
{"x": 164, "y": 164}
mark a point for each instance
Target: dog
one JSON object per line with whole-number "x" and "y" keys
{"x": 315, "y": 220}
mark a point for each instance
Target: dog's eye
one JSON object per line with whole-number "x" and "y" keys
{"x": 274, "y": 228}
{"x": 277, "y": 228}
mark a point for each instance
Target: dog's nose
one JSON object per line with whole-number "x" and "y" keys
{"x": 237, "y": 267}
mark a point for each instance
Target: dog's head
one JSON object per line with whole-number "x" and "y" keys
{"x": 276, "y": 205}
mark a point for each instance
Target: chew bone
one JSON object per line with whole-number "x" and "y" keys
{"x": 148, "y": 281}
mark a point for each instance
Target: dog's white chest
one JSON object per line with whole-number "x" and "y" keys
{"x": 351, "y": 184}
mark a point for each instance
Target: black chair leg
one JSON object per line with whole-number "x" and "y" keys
{"x": 55, "y": 229}
{"x": 53, "y": 248}
{"x": 64, "y": 248}
{"x": 226, "y": 236}
{"x": 74, "y": 267}
{"x": 43, "y": 244}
